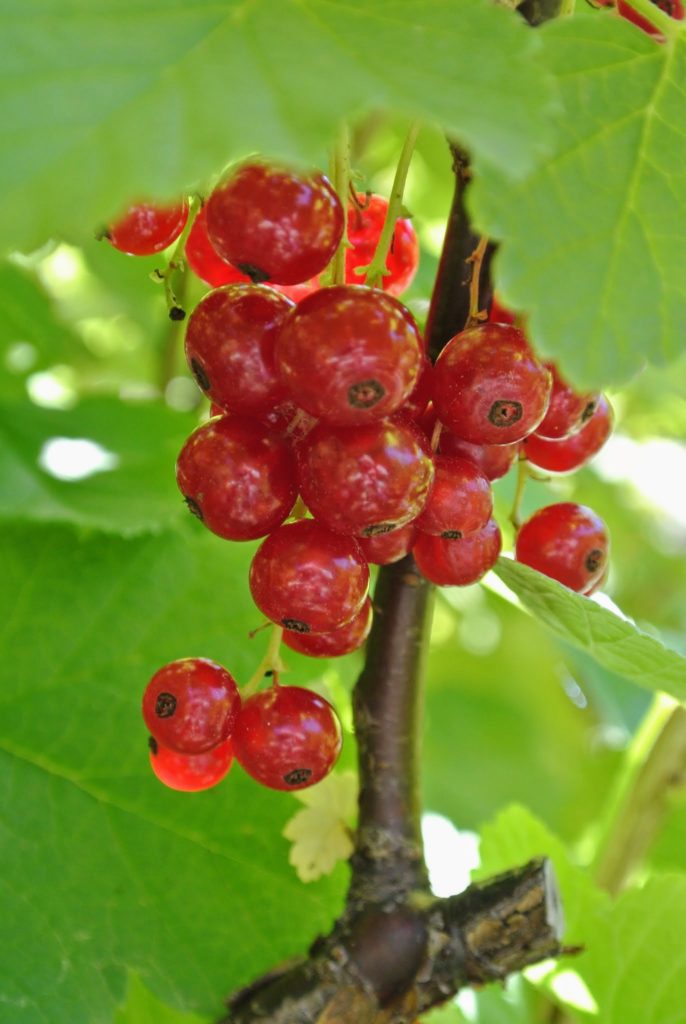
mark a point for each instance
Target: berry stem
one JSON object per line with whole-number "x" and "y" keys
{"x": 271, "y": 662}
{"x": 340, "y": 174}
{"x": 523, "y": 474}
{"x": 476, "y": 314}
{"x": 377, "y": 268}
{"x": 177, "y": 262}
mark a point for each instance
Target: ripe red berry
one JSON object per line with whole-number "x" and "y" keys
{"x": 567, "y": 542}
{"x": 145, "y": 229}
{"x": 190, "y": 705}
{"x": 567, "y": 410}
{"x": 385, "y": 548}
{"x": 349, "y": 354}
{"x": 457, "y": 563}
{"x": 189, "y": 773}
{"x": 275, "y": 224}
{"x": 573, "y": 452}
{"x": 494, "y": 460}
{"x": 230, "y": 347}
{"x": 460, "y": 500}
{"x": 205, "y": 261}
{"x": 500, "y": 314}
{"x": 338, "y": 642}
{"x": 365, "y": 480}
{"x": 489, "y": 387}
{"x": 237, "y": 478}
{"x": 309, "y": 579}
{"x": 365, "y": 222}
{"x": 287, "y": 737}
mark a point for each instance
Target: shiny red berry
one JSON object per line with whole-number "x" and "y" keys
{"x": 573, "y": 452}
{"x": 230, "y": 347}
{"x": 205, "y": 261}
{"x": 365, "y": 480}
{"x": 489, "y": 387}
{"x": 457, "y": 563}
{"x": 309, "y": 579}
{"x": 349, "y": 354}
{"x": 567, "y": 542}
{"x": 190, "y": 773}
{"x": 460, "y": 500}
{"x": 237, "y": 478}
{"x": 365, "y": 222}
{"x": 338, "y": 642}
{"x": 287, "y": 737}
{"x": 191, "y": 705}
{"x": 386, "y": 548}
{"x": 568, "y": 409}
{"x": 494, "y": 460}
{"x": 275, "y": 224}
{"x": 145, "y": 229}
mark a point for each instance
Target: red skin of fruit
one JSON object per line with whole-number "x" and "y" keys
{"x": 489, "y": 387}
{"x": 419, "y": 399}
{"x": 338, "y": 642}
{"x": 191, "y": 705}
{"x": 500, "y": 314}
{"x": 626, "y": 11}
{"x": 145, "y": 229}
{"x": 385, "y": 548}
{"x": 189, "y": 773}
{"x": 275, "y": 224}
{"x": 349, "y": 354}
{"x": 567, "y": 410}
{"x": 365, "y": 480}
{"x": 575, "y": 451}
{"x": 460, "y": 500}
{"x": 287, "y": 737}
{"x": 205, "y": 261}
{"x": 309, "y": 579}
{"x": 365, "y": 223}
{"x": 457, "y": 563}
{"x": 494, "y": 460}
{"x": 230, "y": 347}
{"x": 567, "y": 542}
{"x": 237, "y": 478}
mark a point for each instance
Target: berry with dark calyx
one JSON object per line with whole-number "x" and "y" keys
{"x": 573, "y": 452}
{"x": 598, "y": 585}
{"x": 145, "y": 228}
{"x": 338, "y": 642}
{"x": 567, "y": 542}
{"x": 205, "y": 261}
{"x": 190, "y": 773}
{"x": 230, "y": 342}
{"x": 307, "y": 578}
{"x": 567, "y": 411}
{"x": 365, "y": 480}
{"x": 237, "y": 478}
{"x": 190, "y": 705}
{"x": 489, "y": 387}
{"x": 275, "y": 224}
{"x": 459, "y": 562}
{"x": 460, "y": 500}
{"x": 494, "y": 460}
{"x": 366, "y": 218}
{"x": 287, "y": 737}
{"x": 386, "y": 548}
{"x": 349, "y": 354}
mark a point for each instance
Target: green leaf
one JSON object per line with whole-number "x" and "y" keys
{"x": 593, "y": 240}
{"x": 142, "y": 1007}
{"x": 104, "y": 870}
{"x": 321, "y": 833}
{"x": 614, "y": 642}
{"x": 100, "y": 104}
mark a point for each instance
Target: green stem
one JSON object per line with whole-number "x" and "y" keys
{"x": 177, "y": 262}
{"x": 271, "y": 662}
{"x": 523, "y": 474}
{"x": 377, "y": 268}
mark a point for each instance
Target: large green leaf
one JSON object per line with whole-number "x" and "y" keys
{"x": 593, "y": 240}
{"x": 616, "y": 643}
{"x": 101, "y": 102}
{"x": 142, "y": 1007}
{"x": 103, "y": 869}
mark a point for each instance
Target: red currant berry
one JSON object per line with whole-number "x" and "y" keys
{"x": 365, "y": 480}
{"x": 573, "y": 452}
{"x": 489, "y": 387}
{"x": 460, "y": 500}
{"x": 366, "y": 217}
{"x": 419, "y": 398}
{"x": 309, "y": 579}
{"x": 191, "y": 705}
{"x": 205, "y": 261}
{"x": 145, "y": 229}
{"x": 287, "y": 737}
{"x": 189, "y": 773}
{"x": 457, "y": 563}
{"x": 349, "y": 354}
{"x": 230, "y": 347}
{"x": 494, "y": 460}
{"x": 385, "y": 548}
{"x": 275, "y": 224}
{"x": 338, "y": 642}
{"x": 237, "y": 478}
{"x": 567, "y": 542}
{"x": 289, "y": 422}
{"x": 567, "y": 411}
{"x": 499, "y": 314}
{"x": 674, "y": 8}
{"x": 599, "y": 584}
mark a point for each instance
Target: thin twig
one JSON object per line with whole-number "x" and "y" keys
{"x": 377, "y": 268}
